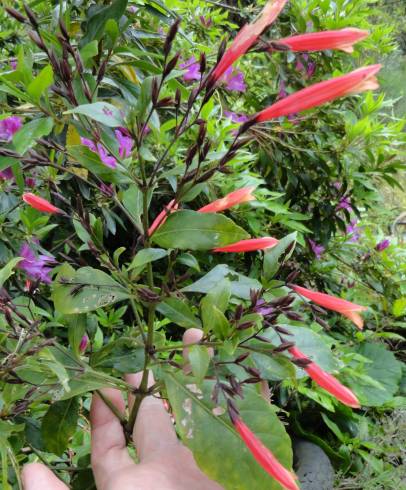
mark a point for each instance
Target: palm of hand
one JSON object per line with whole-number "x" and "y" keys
{"x": 165, "y": 464}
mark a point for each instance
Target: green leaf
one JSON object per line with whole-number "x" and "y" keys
{"x": 199, "y": 360}
{"x": 178, "y": 312}
{"x": 189, "y": 260}
{"x": 85, "y": 290}
{"x": 197, "y": 231}
{"x": 384, "y": 369}
{"x": 399, "y": 307}
{"x": 147, "y": 255}
{"x": 41, "y": 83}
{"x": 8, "y": 271}
{"x": 120, "y": 355}
{"x": 132, "y": 200}
{"x": 59, "y": 425}
{"x": 96, "y": 23}
{"x": 310, "y": 343}
{"x": 216, "y": 446}
{"x": 26, "y": 137}
{"x": 102, "y": 112}
{"x": 272, "y": 256}
{"x": 240, "y": 285}
{"x": 273, "y": 367}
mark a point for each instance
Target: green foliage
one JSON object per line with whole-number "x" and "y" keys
{"x": 98, "y": 294}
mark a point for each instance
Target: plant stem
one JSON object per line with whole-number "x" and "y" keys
{"x": 112, "y": 407}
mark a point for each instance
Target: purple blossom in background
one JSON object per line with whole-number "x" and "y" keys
{"x": 345, "y": 203}
{"x": 299, "y": 66}
{"x": 236, "y": 118}
{"x": 8, "y": 127}
{"x": 354, "y": 230}
{"x": 192, "y": 68}
{"x": 13, "y": 64}
{"x": 382, "y": 245}
{"x": 311, "y": 69}
{"x": 282, "y": 90}
{"x": 132, "y": 9}
{"x": 338, "y": 185}
{"x": 234, "y": 80}
{"x": 30, "y": 182}
{"x": 125, "y": 143}
{"x": 107, "y": 159}
{"x": 317, "y": 249}
{"x": 35, "y": 267}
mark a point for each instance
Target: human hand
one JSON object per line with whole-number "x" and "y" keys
{"x": 165, "y": 464}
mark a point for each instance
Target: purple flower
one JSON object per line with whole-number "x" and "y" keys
{"x": 132, "y": 9}
{"x": 382, "y": 245}
{"x": 299, "y": 66}
{"x": 311, "y": 68}
{"x": 30, "y": 182}
{"x": 234, "y": 80}
{"x": 317, "y": 249}
{"x": 353, "y": 230}
{"x": 236, "y": 118}
{"x": 35, "y": 267}
{"x": 282, "y": 90}
{"x": 338, "y": 185}
{"x": 8, "y": 127}
{"x": 344, "y": 203}
{"x": 13, "y": 64}
{"x": 107, "y": 159}
{"x": 126, "y": 144}
{"x": 192, "y": 68}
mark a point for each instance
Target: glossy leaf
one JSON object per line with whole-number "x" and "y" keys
{"x": 8, "y": 270}
{"x": 147, "y": 255}
{"x": 197, "y": 231}
{"x": 178, "y": 312}
{"x": 26, "y": 137}
{"x": 102, "y": 112}
{"x": 59, "y": 424}
{"x": 216, "y": 446}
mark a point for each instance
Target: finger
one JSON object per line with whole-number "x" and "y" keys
{"x": 36, "y": 476}
{"x": 190, "y": 337}
{"x": 153, "y": 431}
{"x": 109, "y": 450}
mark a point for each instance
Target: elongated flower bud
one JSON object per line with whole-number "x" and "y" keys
{"x": 40, "y": 204}
{"x": 342, "y": 39}
{"x": 342, "y": 306}
{"x": 247, "y": 36}
{"x": 162, "y": 216}
{"x": 264, "y": 456}
{"x": 237, "y": 197}
{"x": 250, "y": 245}
{"x": 326, "y": 380}
{"x": 320, "y": 93}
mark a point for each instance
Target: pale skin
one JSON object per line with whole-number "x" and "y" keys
{"x": 164, "y": 463}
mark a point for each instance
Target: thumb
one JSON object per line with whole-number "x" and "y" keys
{"x": 37, "y": 476}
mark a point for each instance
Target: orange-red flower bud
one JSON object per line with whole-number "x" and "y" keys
{"x": 265, "y": 457}
{"x": 40, "y": 203}
{"x": 162, "y": 216}
{"x": 247, "y": 36}
{"x": 342, "y": 306}
{"x": 342, "y": 39}
{"x": 250, "y": 245}
{"x": 320, "y": 93}
{"x": 327, "y": 381}
{"x": 237, "y": 197}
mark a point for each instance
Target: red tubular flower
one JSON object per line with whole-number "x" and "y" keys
{"x": 320, "y": 93}
{"x": 342, "y": 306}
{"x": 162, "y": 216}
{"x": 342, "y": 39}
{"x": 264, "y": 456}
{"x": 250, "y": 245}
{"x": 237, "y": 197}
{"x": 327, "y": 381}
{"x": 40, "y": 203}
{"x": 247, "y": 36}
